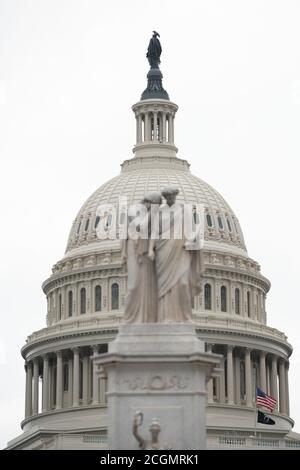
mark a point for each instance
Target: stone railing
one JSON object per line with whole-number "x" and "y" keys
{"x": 236, "y": 442}
{"x": 112, "y": 320}
{"x": 292, "y": 444}
{"x": 78, "y": 324}
{"x": 94, "y": 439}
{"x": 237, "y": 324}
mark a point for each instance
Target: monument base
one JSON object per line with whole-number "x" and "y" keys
{"x": 159, "y": 371}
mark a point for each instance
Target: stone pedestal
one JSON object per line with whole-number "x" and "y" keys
{"x": 160, "y": 370}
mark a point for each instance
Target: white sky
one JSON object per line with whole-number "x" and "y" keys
{"x": 70, "y": 71}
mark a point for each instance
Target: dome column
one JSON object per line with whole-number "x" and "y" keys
{"x": 76, "y": 377}
{"x": 95, "y": 378}
{"x": 147, "y": 128}
{"x": 210, "y": 390}
{"x": 274, "y": 387}
{"x": 52, "y": 385}
{"x": 139, "y": 128}
{"x": 237, "y": 379}
{"x": 45, "y": 386}
{"x": 248, "y": 377}
{"x": 222, "y": 384}
{"x": 28, "y": 390}
{"x": 85, "y": 379}
{"x": 268, "y": 373}
{"x": 262, "y": 371}
{"x": 70, "y": 381}
{"x": 171, "y": 128}
{"x": 59, "y": 380}
{"x": 287, "y": 389}
{"x": 282, "y": 394}
{"x": 230, "y": 390}
{"x": 35, "y": 386}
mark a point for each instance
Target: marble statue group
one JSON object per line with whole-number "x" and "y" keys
{"x": 164, "y": 262}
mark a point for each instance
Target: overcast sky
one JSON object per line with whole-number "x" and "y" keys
{"x": 70, "y": 71}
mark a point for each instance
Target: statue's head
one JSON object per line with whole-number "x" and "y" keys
{"x": 154, "y": 428}
{"x": 155, "y": 34}
{"x": 170, "y": 194}
{"x": 152, "y": 198}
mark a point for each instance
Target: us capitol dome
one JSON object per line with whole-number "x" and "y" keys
{"x": 65, "y": 402}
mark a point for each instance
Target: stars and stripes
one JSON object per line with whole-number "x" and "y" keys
{"x": 262, "y": 399}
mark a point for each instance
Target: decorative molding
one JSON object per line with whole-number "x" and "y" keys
{"x": 156, "y": 383}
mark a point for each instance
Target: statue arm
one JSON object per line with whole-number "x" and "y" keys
{"x": 136, "y": 423}
{"x": 154, "y": 234}
{"x": 151, "y": 254}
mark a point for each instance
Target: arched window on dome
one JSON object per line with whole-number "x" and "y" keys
{"x": 109, "y": 220}
{"x": 66, "y": 377}
{"x": 115, "y": 296}
{"x": 86, "y": 225}
{"x": 97, "y": 220}
{"x": 207, "y": 296}
{"x": 223, "y": 299}
{"x": 143, "y": 128}
{"x": 78, "y": 228}
{"x": 122, "y": 217}
{"x": 235, "y": 225}
{"x": 59, "y": 306}
{"x": 98, "y": 298}
{"x": 156, "y": 130}
{"x": 70, "y": 303}
{"x": 248, "y": 304}
{"x": 229, "y": 225}
{"x": 193, "y": 302}
{"x": 195, "y": 218}
{"x": 237, "y": 301}
{"x": 220, "y": 222}
{"x": 152, "y": 127}
{"x": 257, "y": 307}
{"x": 159, "y": 127}
{"x": 82, "y": 300}
{"x": 167, "y": 128}
{"x": 209, "y": 220}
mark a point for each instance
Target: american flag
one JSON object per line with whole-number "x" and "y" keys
{"x": 262, "y": 399}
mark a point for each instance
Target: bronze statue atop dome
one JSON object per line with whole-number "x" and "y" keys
{"x": 154, "y": 86}
{"x": 154, "y": 51}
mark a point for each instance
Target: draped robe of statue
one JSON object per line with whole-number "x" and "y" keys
{"x": 141, "y": 299}
{"x": 179, "y": 267}
{"x": 154, "y": 51}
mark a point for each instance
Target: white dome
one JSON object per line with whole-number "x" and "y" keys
{"x": 143, "y": 175}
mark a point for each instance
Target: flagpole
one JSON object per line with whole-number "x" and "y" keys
{"x": 255, "y": 406}
{"x": 255, "y": 418}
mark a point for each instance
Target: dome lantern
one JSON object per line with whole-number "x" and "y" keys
{"x": 154, "y": 113}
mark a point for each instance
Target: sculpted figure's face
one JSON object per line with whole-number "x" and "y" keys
{"x": 170, "y": 198}
{"x": 155, "y": 432}
{"x": 148, "y": 205}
